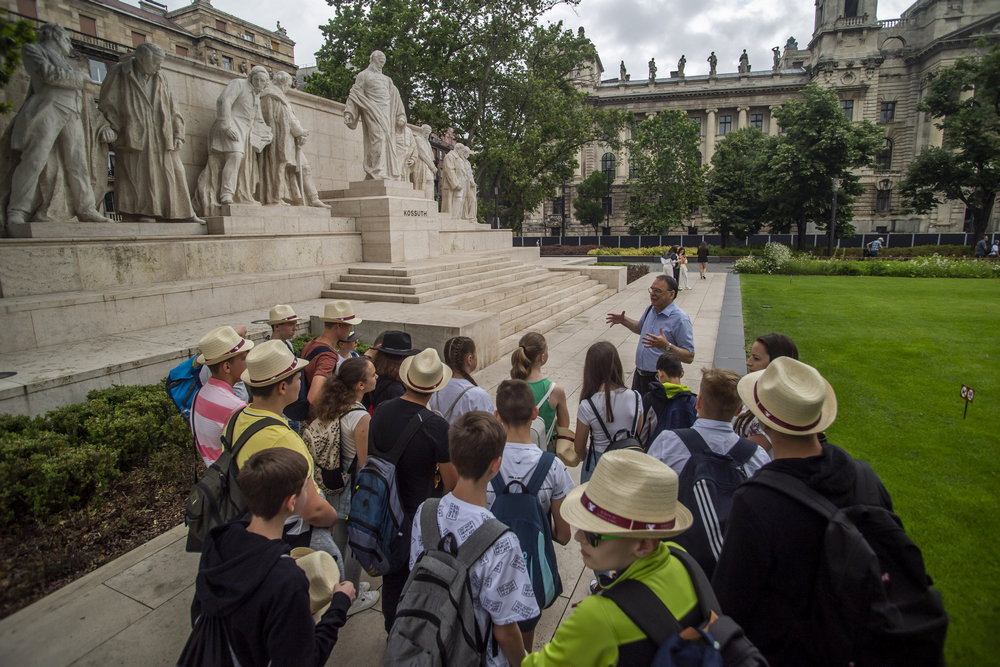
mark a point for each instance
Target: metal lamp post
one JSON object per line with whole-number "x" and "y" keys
{"x": 832, "y": 232}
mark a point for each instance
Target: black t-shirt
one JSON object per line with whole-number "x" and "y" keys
{"x": 427, "y": 448}
{"x": 385, "y": 389}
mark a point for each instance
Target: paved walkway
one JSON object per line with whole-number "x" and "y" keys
{"x": 135, "y": 610}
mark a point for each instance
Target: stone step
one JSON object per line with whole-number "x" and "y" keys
{"x": 509, "y": 342}
{"x": 357, "y": 276}
{"x": 532, "y": 313}
{"x": 425, "y": 288}
{"x": 424, "y": 268}
{"x": 544, "y": 296}
{"x": 510, "y": 294}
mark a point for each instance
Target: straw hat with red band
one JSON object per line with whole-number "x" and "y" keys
{"x": 631, "y": 494}
{"x": 220, "y": 344}
{"x": 269, "y": 363}
{"x": 323, "y": 575}
{"x": 790, "y": 397}
{"x": 424, "y": 373}
{"x": 340, "y": 312}
{"x": 281, "y": 314}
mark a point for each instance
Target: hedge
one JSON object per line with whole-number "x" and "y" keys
{"x": 745, "y": 251}
{"x": 777, "y": 259}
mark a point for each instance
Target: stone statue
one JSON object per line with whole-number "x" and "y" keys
{"x": 470, "y": 199}
{"x": 652, "y": 69}
{"x": 680, "y": 66}
{"x": 239, "y": 131}
{"x": 285, "y": 175}
{"x": 621, "y": 72}
{"x": 213, "y": 57}
{"x": 744, "y": 62}
{"x": 776, "y": 55}
{"x": 244, "y": 67}
{"x": 149, "y": 177}
{"x": 791, "y": 44}
{"x": 712, "y": 63}
{"x": 452, "y": 182}
{"x": 422, "y": 173}
{"x": 406, "y": 146}
{"x": 280, "y": 29}
{"x": 375, "y": 101}
{"x": 50, "y": 124}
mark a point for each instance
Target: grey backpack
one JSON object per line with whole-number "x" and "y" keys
{"x": 435, "y": 621}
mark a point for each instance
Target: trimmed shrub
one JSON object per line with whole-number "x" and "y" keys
{"x": 922, "y": 267}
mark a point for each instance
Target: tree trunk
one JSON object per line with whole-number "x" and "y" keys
{"x": 800, "y": 236}
{"x": 724, "y": 233}
{"x": 981, "y": 217}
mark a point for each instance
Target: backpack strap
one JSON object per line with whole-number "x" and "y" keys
{"x": 599, "y": 420}
{"x": 415, "y": 424}
{"x": 693, "y": 440}
{"x": 644, "y": 608}
{"x": 707, "y": 602}
{"x": 545, "y": 396}
{"x": 541, "y": 471}
{"x": 428, "y": 523}
{"x": 480, "y": 540}
{"x": 638, "y": 407}
{"x": 447, "y": 413}
{"x": 499, "y": 484}
{"x": 796, "y": 489}
{"x": 742, "y": 451}
{"x": 318, "y": 350}
{"x": 643, "y": 318}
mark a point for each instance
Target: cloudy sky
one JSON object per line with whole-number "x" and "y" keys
{"x": 629, "y": 30}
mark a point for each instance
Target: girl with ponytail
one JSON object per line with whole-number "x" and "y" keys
{"x": 462, "y": 394}
{"x": 526, "y": 364}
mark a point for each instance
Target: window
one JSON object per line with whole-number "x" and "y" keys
{"x": 725, "y": 124}
{"x": 883, "y": 159}
{"x": 883, "y": 196}
{"x": 137, "y": 38}
{"x": 248, "y": 36}
{"x": 181, "y": 50}
{"x": 274, "y": 45}
{"x": 757, "y": 120}
{"x": 98, "y": 71}
{"x": 888, "y": 113}
{"x": 632, "y": 168}
{"x": 608, "y": 166}
{"x": 220, "y": 25}
{"x": 88, "y": 26}
{"x": 227, "y": 63}
{"x": 557, "y": 206}
{"x": 848, "y": 107}
{"x": 850, "y": 8}
{"x": 697, "y": 121}
{"x": 606, "y": 205}
{"x": 28, "y": 8}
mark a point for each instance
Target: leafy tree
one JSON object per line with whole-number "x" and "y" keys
{"x": 588, "y": 206}
{"x": 486, "y": 71}
{"x": 819, "y": 144}
{"x": 966, "y": 99}
{"x": 667, "y": 184}
{"x": 13, "y": 35}
{"x": 735, "y": 193}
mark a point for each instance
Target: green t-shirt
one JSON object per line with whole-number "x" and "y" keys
{"x": 546, "y": 411}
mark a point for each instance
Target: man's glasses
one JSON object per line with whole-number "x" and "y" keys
{"x": 594, "y": 539}
{"x": 658, "y": 292}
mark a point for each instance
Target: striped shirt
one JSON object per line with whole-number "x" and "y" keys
{"x": 213, "y": 406}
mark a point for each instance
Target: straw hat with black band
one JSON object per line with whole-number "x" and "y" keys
{"x": 790, "y": 397}
{"x": 269, "y": 363}
{"x": 424, "y": 373}
{"x": 220, "y": 344}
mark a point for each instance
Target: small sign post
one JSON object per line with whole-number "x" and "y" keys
{"x": 968, "y": 393}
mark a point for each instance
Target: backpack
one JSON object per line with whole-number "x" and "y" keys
{"x": 523, "y": 513}
{"x": 691, "y": 641}
{"x": 182, "y": 385}
{"x": 376, "y": 521}
{"x": 299, "y": 410}
{"x": 663, "y": 414}
{"x": 706, "y": 487}
{"x": 324, "y": 444}
{"x": 540, "y": 435}
{"x": 872, "y": 593}
{"x": 216, "y": 497}
{"x": 435, "y": 621}
{"x": 623, "y": 439}
{"x": 208, "y": 645}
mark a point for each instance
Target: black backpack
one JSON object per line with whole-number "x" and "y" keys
{"x": 208, "y": 645}
{"x": 703, "y": 638}
{"x": 872, "y": 595}
{"x": 624, "y": 438}
{"x": 299, "y": 410}
{"x": 216, "y": 497}
{"x": 706, "y": 487}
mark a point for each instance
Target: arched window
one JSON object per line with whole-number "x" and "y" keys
{"x": 608, "y": 165}
{"x": 883, "y": 195}
{"x": 883, "y": 159}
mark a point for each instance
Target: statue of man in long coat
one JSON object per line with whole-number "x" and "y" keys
{"x": 374, "y": 101}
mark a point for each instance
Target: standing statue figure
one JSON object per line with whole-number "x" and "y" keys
{"x": 285, "y": 174}
{"x": 776, "y": 53}
{"x": 470, "y": 199}
{"x": 621, "y": 72}
{"x": 406, "y": 146}
{"x": 652, "y": 69}
{"x": 149, "y": 177}
{"x": 712, "y": 63}
{"x": 213, "y": 57}
{"x": 375, "y": 101}
{"x": 239, "y": 131}
{"x": 422, "y": 173}
{"x": 453, "y": 177}
{"x": 50, "y": 124}
{"x": 680, "y": 66}
{"x": 744, "y": 62}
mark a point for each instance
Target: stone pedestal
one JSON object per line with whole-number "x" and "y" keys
{"x": 249, "y": 219}
{"x": 93, "y": 230}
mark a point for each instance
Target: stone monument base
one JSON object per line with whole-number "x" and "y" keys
{"x": 251, "y": 219}
{"x": 93, "y": 230}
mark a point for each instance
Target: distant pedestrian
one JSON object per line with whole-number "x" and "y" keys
{"x": 982, "y": 248}
{"x": 675, "y": 256}
{"x": 703, "y": 259}
{"x": 682, "y": 263}
{"x": 995, "y": 249}
{"x": 875, "y": 246}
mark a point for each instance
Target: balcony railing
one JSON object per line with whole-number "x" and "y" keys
{"x": 890, "y": 23}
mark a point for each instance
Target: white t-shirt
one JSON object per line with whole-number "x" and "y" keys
{"x": 625, "y": 405}
{"x": 475, "y": 398}
{"x": 501, "y": 585}
{"x": 349, "y": 422}
{"x": 519, "y": 462}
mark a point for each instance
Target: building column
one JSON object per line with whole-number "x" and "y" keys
{"x": 772, "y": 122}
{"x": 935, "y": 136}
{"x": 710, "y": 131}
{"x": 741, "y": 119}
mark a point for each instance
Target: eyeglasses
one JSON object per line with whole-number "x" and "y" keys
{"x": 594, "y": 539}
{"x": 658, "y": 292}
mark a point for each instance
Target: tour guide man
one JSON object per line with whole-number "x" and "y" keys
{"x": 663, "y": 327}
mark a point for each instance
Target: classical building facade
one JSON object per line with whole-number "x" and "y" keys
{"x": 881, "y": 69}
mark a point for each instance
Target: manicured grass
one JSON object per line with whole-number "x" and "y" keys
{"x": 897, "y": 351}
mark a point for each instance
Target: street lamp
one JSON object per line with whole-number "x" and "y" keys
{"x": 832, "y": 232}
{"x": 562, "y": 230}
{"x": 496, "y": 214}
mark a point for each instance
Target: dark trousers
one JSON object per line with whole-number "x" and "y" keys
{"x": 392, "y": 590}
{"x": 641, "y": 380}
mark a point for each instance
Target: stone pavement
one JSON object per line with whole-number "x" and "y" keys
{"x": 135, "y": 610}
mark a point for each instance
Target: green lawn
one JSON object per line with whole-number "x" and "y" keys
{"x": 897, "y": 351}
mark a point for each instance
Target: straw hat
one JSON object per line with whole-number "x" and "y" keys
{"x": 221, "y": 344}
{"x": 631, "y": 494}
{"x": 790, "y": 397}
{"x": 424, "y": 372}
{"x": 323, "y": 574}
{"x": 281, "y": 314}
{"x": 396, "y": 343}
{"x": 340, "y": 312}
{"x": 270, "y": 362}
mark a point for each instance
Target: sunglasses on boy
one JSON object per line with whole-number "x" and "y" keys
{"x": 594, "y": 539}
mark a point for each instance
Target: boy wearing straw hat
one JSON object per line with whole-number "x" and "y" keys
{"x": 621, "y": 517}
{"x": 284, "y": 322}
{"x": 275, "y": 609}
{"x": 224, "y": 352}
{"x": 338, "y": 320}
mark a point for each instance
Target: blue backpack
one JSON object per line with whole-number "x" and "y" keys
{"x": 662, "y": 413}
{"x": 182, "y": 385}
{"x": 523, "y": 513}
{"x": 376, "y": 520}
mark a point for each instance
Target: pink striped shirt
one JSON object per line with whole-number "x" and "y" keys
{"x": 213, "y": 406}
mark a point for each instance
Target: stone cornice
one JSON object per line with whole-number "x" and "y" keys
{"x": 725, "y": 93}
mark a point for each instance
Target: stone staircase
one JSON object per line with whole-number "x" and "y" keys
{"x": 524, "y": 297}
